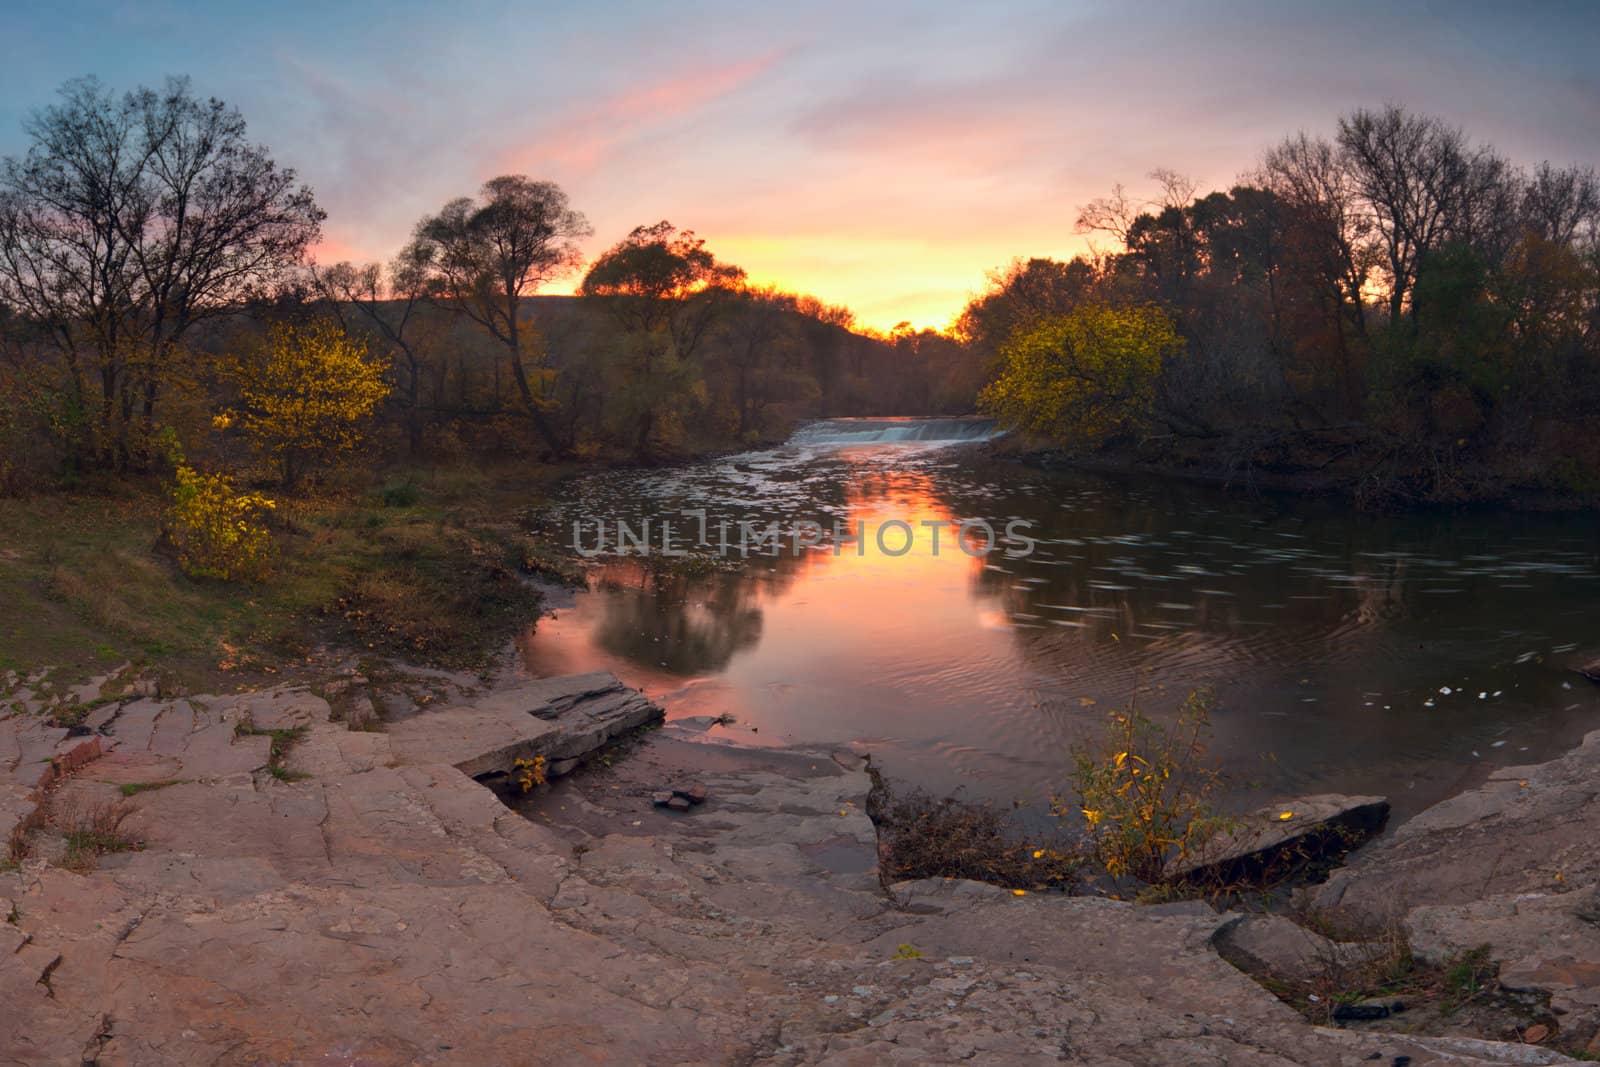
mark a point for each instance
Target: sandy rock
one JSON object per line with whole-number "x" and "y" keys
{"x": 559, "y": 718}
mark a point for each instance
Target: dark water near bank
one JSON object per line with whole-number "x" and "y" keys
{"x": 1399, "y": 655}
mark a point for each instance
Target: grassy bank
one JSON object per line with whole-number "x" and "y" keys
{"x": 427, "y": 564}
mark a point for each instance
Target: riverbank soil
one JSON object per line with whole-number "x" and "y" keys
{"x": 421, "y": 563}
{"x": 1378, "y": 474}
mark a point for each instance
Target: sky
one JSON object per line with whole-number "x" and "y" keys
{"x": 882, "y": 156}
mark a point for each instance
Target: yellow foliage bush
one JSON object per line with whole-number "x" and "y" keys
{"x": 1147, "y": 790}
{"x": 306, "y": 394}
{"x": 529, "y": 772}
{"x": 1082, "y": 377}
{"x": 219, "y": 533}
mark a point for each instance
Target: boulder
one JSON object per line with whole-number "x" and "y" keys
{"x": 1272, "y": 842}
{"x": 1278, "y": 946}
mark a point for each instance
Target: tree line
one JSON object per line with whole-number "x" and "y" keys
{"x": 150, "y": 252}
{"x": 1396, "y": 306}
{"x": 1395, "y": 302}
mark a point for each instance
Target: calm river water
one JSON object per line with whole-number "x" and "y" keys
{"x": 1352, "y": 653}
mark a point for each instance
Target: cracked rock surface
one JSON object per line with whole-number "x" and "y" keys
{"x": 388, "y": 909}
{"x": 1512, "y": 865}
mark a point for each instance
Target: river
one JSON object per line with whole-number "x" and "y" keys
{"x": 1403, "y": 655}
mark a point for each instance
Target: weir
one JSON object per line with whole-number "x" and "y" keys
{"x": 878, "y": 431}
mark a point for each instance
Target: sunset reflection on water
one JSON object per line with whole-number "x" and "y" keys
{"x": 1328, "y": 635}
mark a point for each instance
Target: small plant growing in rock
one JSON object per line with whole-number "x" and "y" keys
{"x": 1147, "y": 791}
{"x": 529, "y": 772}
{"x": 921, "y": 836}
{"x": 907, "y": 951}
{"x": 94, "y": 832}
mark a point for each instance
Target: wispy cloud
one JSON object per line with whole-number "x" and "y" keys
{"x": 581, "y": 142}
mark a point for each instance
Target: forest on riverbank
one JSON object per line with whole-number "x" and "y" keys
{"x": 207, "y": 435}
{"x": 1397, "y": 313}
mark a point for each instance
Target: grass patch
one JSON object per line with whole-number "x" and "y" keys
{"x": 133, "y": 789}
{"x": 1375, "y": 980}
{"x": 94, "y": 832}
{"x": 1468, "y": 976}
{"x": 421, "y": 565}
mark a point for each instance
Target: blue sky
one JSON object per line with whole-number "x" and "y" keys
{"x": 884, "y": 156}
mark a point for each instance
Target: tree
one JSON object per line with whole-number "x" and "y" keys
{"x": 761, "y": 359}
{"x": 305, "y": 395}
{"x": 129, "y": 220}
{"x": 1422, "y": 184}
{"x": 1083, "y": 377}
{"x": 391, "y": 303}
{"x": 485, "y": 256}
{"x": 1025, "y": 292}
{"x": 1562, "y": 205}
{"x": 666, "y": 289}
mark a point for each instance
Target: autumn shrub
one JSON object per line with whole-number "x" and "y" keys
{"x": 306, "y": 395}
{"x": 216, "y": 532}
{"x": 920, "y": 836}
{"x": 530, "y": 772}
{"x": 1147, "y": 790}
{"x": 1083, "y": 377}
{"x": 93, "y": 831}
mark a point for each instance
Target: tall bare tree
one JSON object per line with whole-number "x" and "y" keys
{"x": 485, "y": 256}
{"x": 132, "y": 218}
{"x": 1423, "y": 184}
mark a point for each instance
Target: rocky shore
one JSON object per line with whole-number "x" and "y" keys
{"x": 276, "y": 878}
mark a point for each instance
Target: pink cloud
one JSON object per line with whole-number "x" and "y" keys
{"x": 579, "y": 143}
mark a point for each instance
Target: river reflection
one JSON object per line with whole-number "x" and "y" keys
{"x": 1330, "y": 636}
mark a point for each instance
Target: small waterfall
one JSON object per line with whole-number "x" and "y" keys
{"x": 838, "y": 433}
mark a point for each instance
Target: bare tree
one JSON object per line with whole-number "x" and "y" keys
{"x": 1114, "y": 214}
{"x": 1177, "y": 190}
{"x": 132, "y": 218}
{"x": 390, "y": 303}
{"x": 1561, "y": 204}
{"x": 1423, "y": 185}
{"x": 1310, "y": 177}
{"x": 485, "y": 256}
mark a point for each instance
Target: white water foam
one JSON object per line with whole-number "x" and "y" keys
{"x": 840, "y": 433}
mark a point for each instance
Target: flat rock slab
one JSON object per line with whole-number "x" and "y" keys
{"x": 1526, "y": 830}
{"x": 562, "y": 719}
{"x": 1274, "y": 840}
{"x": 1281, "y": 948}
